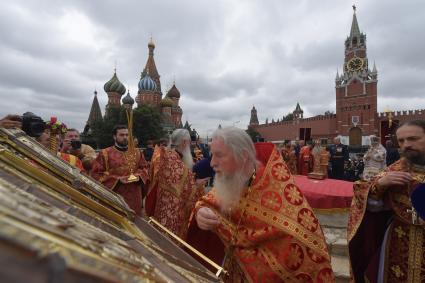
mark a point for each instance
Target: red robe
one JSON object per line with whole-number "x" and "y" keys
{"x": 172, "y": 191}
{"x": 273, "y": 235}
{"x": 290, "y": 159}
{"x": 305, "y": 161}
{"x": 404, "y": 257}
{"x": 112, "y": 168}
{"x": 72, "y": 159}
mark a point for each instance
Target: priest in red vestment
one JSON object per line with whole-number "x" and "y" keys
{"x": 269, "y": 231}
{"x": 173, "y": 190}
{"x": 122, "y": 170}
{"x": 386, "y": 236}
{"x": 305, "y": 160}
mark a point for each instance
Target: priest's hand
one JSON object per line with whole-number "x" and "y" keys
{"x": 395, "y": 178}
{"x": 11, "y": 121}
{"x": 206, "y": 219}
{"x": 202, "y": 182}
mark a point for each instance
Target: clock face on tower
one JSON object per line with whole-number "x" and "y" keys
{"x": 355, "y": 64}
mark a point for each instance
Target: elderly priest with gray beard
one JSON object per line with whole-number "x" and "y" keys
{"x": 173, "y": 190}
{"x": 269, "y": 231}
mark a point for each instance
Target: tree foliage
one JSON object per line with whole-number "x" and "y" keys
{"x": 255, "y": 136}
{"x": 146, "y": 125}
{"x": 288, "y": 117}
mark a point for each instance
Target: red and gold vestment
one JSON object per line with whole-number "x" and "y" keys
{"x": 290, "y": 159}
{"x": 305, "y": 161}
{"x": 71, "y": 159}
{"x": 172, "y": 191}
{"x": 273, "y": 234}
{"x": 402, "y": 254}
{"x": 112, "y": 168}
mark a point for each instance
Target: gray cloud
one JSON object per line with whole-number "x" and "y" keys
{"x": 225, "y": 56}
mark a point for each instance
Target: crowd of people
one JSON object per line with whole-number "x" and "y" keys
{"x": 255, "y": 220}
{"x": 334, "y": 160}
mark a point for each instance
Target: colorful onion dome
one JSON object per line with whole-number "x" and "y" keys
{"x": 128, "y": 99}
{"x": 147, "y": 83}
{"x": 167, "y": 102}
{"x": 114, "y": 85}
{"x": 173, "y": 92}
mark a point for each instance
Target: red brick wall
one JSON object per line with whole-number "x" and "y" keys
{"x": 289, "y": 130}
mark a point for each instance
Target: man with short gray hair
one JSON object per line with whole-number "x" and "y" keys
{"x": 269, "y": 231}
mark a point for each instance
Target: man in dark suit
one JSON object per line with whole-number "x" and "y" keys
{"x": 392, "y": 153}
{"x": 339, "y": 156}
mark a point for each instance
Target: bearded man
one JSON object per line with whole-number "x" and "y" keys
{"x": 386, "y": 238}
{"x": 122, "y": 170}
{"x": 269, "y": 231}
{"x": 173, "y": 190}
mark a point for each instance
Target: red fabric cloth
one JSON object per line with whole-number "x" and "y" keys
{"x": 305, "y": 161}
{"x": 325, "y": 194}
{"x": 263, "y": 151}
{"x": 112, "y": 168}
{"x": 272, "y": 235}
{"x": 173, "y": 191}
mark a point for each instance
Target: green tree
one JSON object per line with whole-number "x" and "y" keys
{"x": 288, "y": 117}
{"x": 147, "y": 124}
{"x": 102, "y": 130}
{"x": 255, "y": 136}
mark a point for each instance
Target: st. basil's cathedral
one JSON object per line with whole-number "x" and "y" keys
{"x": 149, "y": 94}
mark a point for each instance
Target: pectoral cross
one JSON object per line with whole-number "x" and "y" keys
{"x": 414, "y": 215}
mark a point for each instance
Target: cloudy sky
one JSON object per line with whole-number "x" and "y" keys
{"x": 225, "y": 55}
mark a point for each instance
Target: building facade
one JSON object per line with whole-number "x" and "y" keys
{"x": 149, "y": 94}
{"x": 356, "y": 116}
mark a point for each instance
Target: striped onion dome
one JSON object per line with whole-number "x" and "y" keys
{"x": 114, "y": 85}
{"x": 147, "y": 83}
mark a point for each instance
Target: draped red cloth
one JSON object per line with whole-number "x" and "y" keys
{"x": 112, "y": 168}
{"x": 173, "y": 192}
{"x": 327, "y": 193}
{"x": 273, "y": 235}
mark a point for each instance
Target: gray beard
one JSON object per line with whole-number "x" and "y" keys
{"x": 187, "y": 158}
{"x": 229, "y": 189}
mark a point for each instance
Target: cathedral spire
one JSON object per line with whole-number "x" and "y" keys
{"x": 254, "y": 118}
{"x": 355, "y": 30}
{"x": 95, "y": 112}
{"x": 150, "y": 67}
